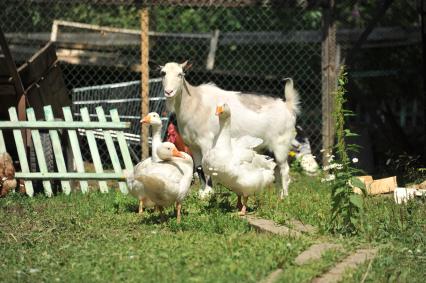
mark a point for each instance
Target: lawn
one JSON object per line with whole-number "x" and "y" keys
{"x": 98, "y": 237}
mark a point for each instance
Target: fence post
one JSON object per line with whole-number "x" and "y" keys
{"x": 328, "y": 69}
{"x": 144, "y": 79}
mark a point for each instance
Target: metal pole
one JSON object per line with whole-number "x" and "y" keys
{"x": 144, "y": 79}
{"x": 328, "y": 66}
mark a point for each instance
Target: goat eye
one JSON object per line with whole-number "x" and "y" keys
{"x": 180, "y": 75}
{"x": 162, "y": 73}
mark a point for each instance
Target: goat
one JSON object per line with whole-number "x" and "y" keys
{"x": 268, "y": 118}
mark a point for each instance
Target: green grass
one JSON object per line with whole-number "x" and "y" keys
{"x": 98, "y": 237}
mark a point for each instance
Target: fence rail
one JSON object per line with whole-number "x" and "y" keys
{"x": 102, "y": 125}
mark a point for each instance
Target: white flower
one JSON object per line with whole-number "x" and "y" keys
{"x": 328, "y": 178}
{"x": 355, "y": 160}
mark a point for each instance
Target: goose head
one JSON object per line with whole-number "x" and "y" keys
{"x": 223, "y": 111}
{"x": 152, "y": 119}
{"x": 167, "y": 150}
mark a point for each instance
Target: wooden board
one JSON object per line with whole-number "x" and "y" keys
{"x": 38, "y": 147}
{"x": 49, "y": 91}
{"x": 38, "y": 65}
{"x": 75, "y": 147}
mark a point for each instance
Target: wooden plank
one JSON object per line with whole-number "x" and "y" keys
{"x": 144, "y": 18}
{"x": 38, "y": 146}
{"x": 94, "y": 149}
{"x": 111, "y": 149}
{"x": 22, "y": 154}
{"x": 70, "y": 176}
{"x": 55, "y": 125}
{"x": 122, "y": 142}
{"x": 75, "y": 147}
{"x": 93, "y": 40}
{"x": 50, "y": 90}
{"x": 38, "y": 65}
{"x": 57, "y": 150}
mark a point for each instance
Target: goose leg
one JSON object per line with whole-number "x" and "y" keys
{"x": 178, "y": 208}
{"x": 239, "y": 204}
{"x": 244, "y": 208}
{"x": 162, "y": 216}
{"x": 141, "y": 206}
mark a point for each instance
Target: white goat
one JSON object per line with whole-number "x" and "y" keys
{"x": 268, "y": 118}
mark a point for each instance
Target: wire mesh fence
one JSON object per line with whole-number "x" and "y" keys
{"x": 254, "y": 47}
{"x": 244, "y": 45}
{"x": 125, "y": 97}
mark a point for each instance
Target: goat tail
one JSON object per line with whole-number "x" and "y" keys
{"x": 291, "y": 97}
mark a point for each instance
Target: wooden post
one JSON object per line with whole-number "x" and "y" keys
{"x": 212, "y": 52}
{"x": 144, "y": 79}
{"x": 328, "y": 66}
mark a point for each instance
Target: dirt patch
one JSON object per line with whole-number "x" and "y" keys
{"x": 336, "y": 273}
{"x": 315, "y": 252}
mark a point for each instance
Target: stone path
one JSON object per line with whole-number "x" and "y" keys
{"x": 273, "y": 276}
{"x": 269, "y": 226}
{"x": 315, "y": 252}
{"x": 336, "y": 273}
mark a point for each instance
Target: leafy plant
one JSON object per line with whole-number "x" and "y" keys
{"x": 346, "y": 206}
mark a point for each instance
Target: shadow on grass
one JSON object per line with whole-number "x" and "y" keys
{"x": 221, "y": 201}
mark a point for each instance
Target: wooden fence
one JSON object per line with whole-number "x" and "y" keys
{"x": 54, "y": 126}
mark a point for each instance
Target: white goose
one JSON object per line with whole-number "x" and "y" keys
{"x": 136, "y": 188}
{"x": 234, "y": 163}
{"x": 168, "y": 181}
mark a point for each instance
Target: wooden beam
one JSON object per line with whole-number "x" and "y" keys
{"x": 54, "y": 125}
{"x": 212, "y": 52}
{"x": 144, "y": 17}
{"x": 69, "y": 176}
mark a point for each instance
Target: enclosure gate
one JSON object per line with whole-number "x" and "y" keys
{"x": 114, "y": 127}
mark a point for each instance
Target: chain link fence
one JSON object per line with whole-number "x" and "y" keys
{"x": 241, "y": 45}
{"x": 236, "y": 46}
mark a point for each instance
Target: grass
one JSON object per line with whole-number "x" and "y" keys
{"x": 98, "y": 237}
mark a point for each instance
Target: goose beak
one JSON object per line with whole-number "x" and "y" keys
{"x": 219, "y": 110}
{"x": 176, "y": 153}
{"x": 146, "y": 119}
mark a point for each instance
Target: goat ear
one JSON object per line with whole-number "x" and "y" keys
{"x": 154, "y": 65}
{"x": 186, "y": 65}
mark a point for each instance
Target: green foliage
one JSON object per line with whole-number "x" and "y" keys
{"x": 346, "y": 206}
{"x": 97, "y": 237}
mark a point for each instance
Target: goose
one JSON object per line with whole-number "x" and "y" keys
{"x": 234, "y": 163}
{"x": 168, "y": 181}
{"x": 136, "y": 188}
